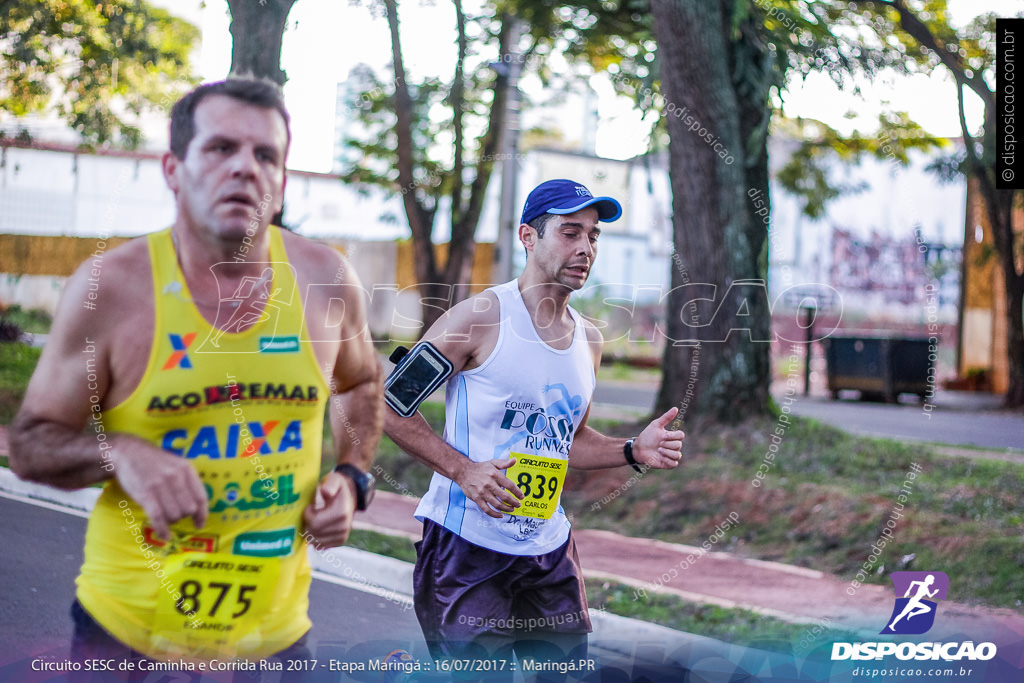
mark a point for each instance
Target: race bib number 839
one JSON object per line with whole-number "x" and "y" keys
{"x": 540, "y": 479}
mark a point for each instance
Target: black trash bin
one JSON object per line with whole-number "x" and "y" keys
{"x": 879, "y": 365}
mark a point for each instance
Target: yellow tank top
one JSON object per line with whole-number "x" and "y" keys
{"x": 246, "y": 410}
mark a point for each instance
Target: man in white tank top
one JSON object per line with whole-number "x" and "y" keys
{"x": 497, "y": 571}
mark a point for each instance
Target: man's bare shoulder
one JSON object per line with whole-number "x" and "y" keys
{"x": 594, "y": 339}
{"x": 321, "y": 263}
{"x": 104, "y": 300}
{"x": 470, "y": 316}
{"x": 594, "y": 336}
{"x": 468, "y": 332}
{"x": 110, "y": 280}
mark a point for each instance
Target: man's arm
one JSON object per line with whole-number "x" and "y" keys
{"x": 357, "y": 403}
{"x": 484, "y": 483}
{"x": 356, "y": 413}
{"x": 656, "y": 446}
{"x": 466, "y": 335}
{"x": 52, "y": 439}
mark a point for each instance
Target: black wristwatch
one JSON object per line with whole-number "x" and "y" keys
{"x": 366, "y": 484}
{"x": 627, "y": 450}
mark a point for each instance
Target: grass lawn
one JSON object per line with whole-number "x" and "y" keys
{"x": 825, "y": 499}
{"x": 17, "y": 361}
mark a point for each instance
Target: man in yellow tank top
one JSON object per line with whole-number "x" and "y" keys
{"x": 190, "y": 374}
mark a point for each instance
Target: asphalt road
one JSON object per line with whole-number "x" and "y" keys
{"x": 42, "y": 553}
{"x": 956, "y": 419}
{"x": 947, "y": 425}
{"x": 626, "y": 394}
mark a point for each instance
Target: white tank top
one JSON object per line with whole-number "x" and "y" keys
{"x": 526, "y": 398}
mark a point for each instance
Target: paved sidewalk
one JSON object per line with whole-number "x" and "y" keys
{"x": 791, "y": 593}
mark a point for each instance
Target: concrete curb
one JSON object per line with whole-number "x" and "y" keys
{"x": 81, "y": 500}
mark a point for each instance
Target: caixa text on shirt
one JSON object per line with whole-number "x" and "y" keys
{"x": 240, "y": 440}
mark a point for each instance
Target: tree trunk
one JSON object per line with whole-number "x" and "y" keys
{"x": 462, "y": 247}
{"x": 1015, "y": 337}
{"x": 999, "y": 207}
{"x": 257, "y": 31}
{"x": 440, "y": 287}
{"x": 718, "y": 298}
{"x": 998, "y": 203}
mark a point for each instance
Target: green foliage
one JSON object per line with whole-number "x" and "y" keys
{"x": 806, "y": 173}
{"x": 971, "y": 51}
{"x": 616, "y": 36}
{"x": 826, "y": 498}
{"x": 35, "y": 321}
{"x": 449, "y": 122}
{"x": 841, "y": 39}
{"x": 374, "y": 145}
{"x": 17, "y": 362}
{"x": 429, "y": 140}
{"x": 397, "y": 547}
{"x": 926, "y": 41}
{"x": 97, "y": 65}
{"x": 606, "y": 34}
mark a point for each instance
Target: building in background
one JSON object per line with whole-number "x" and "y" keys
{"x": 865, "y": 253}
{"x": 884, "y": 271}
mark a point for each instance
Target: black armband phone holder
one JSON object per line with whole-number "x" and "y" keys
{"x": 419, "y": 372}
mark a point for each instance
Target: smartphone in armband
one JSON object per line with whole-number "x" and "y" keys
{"x": 416, "y": 377}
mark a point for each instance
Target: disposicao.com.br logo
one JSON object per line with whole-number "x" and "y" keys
{"x": 914, "y": 613}
{"x": 917, "y": 598}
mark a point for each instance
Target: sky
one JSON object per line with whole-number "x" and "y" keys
{"x": 326, "y": 38}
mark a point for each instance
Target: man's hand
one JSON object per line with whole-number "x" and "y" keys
{"x": 329, "y": 517}
{"x": 166, "y": 486}
{"x": 657, "y": 446}
{"x": 486, "y": 485}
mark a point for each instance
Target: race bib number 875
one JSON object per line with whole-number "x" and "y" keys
{"x": 218, "y": 598}
{"x": 540, "y": 479}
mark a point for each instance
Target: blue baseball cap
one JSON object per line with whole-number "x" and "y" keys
{"x": 567, "y": 196}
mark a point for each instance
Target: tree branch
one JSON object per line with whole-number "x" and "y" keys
{"x": 458, "y": 99}
{"x": 920, "y": 32}
{"x": 462, "y": 232}
{"x": 425, "y": 261}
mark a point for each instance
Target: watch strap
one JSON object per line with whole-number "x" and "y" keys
{"x": 627, "y": 450}
{"x": 364, "y": 481}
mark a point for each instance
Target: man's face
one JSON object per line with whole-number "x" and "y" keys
{"x": 233, "y": 170}
{"x": 568, "y": 248}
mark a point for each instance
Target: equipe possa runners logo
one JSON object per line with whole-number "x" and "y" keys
{"x": 917, "y": 597}
{"x": 179, "y": 357}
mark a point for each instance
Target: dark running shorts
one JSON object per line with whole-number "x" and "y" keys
{"x": 469, "y": 595}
